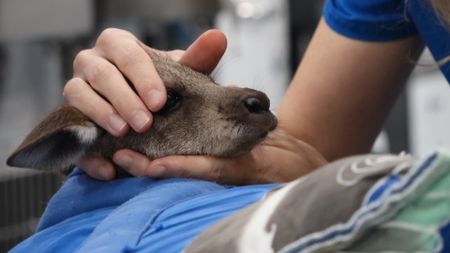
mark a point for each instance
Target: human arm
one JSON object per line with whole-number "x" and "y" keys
{"x": 343, "y": 90}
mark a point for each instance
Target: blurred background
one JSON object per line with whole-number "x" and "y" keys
{"x": 267, "y": 38}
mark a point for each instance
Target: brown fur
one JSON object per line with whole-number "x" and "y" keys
{"x": 211, "y": 120}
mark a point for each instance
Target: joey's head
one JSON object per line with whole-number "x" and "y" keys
{"x": 199, "y": 118}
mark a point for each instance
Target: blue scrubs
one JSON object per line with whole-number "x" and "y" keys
{"x": 385, "y": 20}
{"x": 146, "y": 215}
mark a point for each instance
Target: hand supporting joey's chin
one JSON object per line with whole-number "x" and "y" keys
{"x": 278, "y": 158}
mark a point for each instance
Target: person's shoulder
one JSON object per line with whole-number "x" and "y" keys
{"x": 372, "y": 20}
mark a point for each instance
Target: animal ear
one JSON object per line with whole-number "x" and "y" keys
{"x": 56, "y": 142}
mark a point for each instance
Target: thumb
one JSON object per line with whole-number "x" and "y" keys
{"x": 97, "y": 168}
{"x": 205, "y": 53}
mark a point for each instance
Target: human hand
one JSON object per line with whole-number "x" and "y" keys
{"x": 101, "y": 91}
{"x": 279, "y": 158}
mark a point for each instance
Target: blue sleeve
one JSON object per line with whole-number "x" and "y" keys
{"x": 369, "y": 20}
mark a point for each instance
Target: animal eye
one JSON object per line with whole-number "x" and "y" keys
{"x": 172, "y": 103}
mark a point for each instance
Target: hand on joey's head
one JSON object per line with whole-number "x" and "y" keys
{"x": 99, "y": 87}
{"x": 104, "y": 95}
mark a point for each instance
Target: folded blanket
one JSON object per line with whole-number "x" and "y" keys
{"x": 369, "y": 203}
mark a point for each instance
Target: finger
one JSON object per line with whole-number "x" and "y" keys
{"x": 80, "y": 95}
{"x": 131, "y": 161}
{"x": 132, "y": 60}
{"x": 97, "y": 168}
{"x": 202, "y": 167}
{"x": 205, "y": 53}
{"x": 109, "y": 82}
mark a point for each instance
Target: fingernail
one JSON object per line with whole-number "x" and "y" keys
{"x": 123, "y": 161}
{"x": 140, "y": 119}
{"x": 154, "y": 98}
{"x": 158, "y": 171}
{"x": 116, "y": 122}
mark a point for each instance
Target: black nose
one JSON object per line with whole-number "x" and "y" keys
{"x": 256, "y": 105}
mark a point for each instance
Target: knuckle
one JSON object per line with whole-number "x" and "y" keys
{"x": 110, "y": 35}
{"x": 71, "y": 89}
{"x": 129, "y": 55}
{"x": 98, "y": 72}
{"x": 81, "y": 59}
{"x": 107, "y": 36}
{"x": 75, "y": 94}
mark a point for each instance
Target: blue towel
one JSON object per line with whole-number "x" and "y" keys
{"x": 134, "y": 214}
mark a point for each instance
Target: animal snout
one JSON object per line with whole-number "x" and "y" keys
{"x": 256, "y": 104}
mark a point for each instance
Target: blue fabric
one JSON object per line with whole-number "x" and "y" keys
{"x": 385, "y": 20}
{"x": 391, "y": 180}
{"x": 134, "y": 214}
{"x": 445, "y": 234}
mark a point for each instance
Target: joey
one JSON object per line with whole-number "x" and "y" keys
{"x": 199, "y": 118}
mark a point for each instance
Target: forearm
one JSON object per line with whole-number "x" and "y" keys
{"x": 343, "y": 90}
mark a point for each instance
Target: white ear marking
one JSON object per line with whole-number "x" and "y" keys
{"x": 85, "y": 134}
